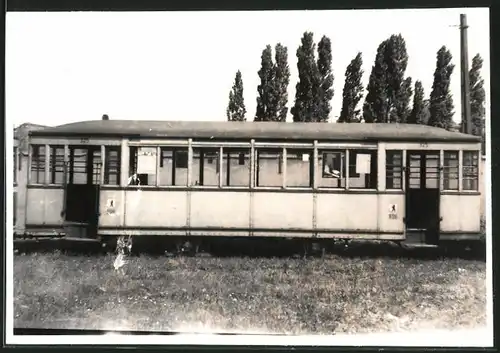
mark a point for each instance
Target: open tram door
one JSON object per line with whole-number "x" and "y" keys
{"x": 82, "y": 192}
{"x": 422, "y": 197}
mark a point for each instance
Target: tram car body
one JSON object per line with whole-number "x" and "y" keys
{"x": 398, "y": 182}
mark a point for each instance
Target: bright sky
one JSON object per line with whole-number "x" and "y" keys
{"x": 65, "y": 67}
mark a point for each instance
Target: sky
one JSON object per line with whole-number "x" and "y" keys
{"x": 72, "y": 66}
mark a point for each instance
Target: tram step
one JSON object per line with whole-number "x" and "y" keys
{"x": 89, "y": 240}
{"x": 73, "y": 230}
{"x": 419, "y": 245}
{"x": 416, "y": 238}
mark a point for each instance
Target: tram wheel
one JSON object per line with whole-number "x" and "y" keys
{"x": 187, "y": 247}
{"x": 306, "y": 248}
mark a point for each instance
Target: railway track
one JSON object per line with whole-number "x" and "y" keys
{"x": 242, "y": 247}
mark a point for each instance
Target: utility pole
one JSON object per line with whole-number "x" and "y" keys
{"x": 466, "y": 113}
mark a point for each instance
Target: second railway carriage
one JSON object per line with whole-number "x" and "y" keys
{"x": 96, "y": 179}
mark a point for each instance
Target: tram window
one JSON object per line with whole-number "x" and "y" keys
{"x": 142, "y": 166}
{"x": 166, "y": 169}
{"x": 96, "y": 166}
{"x": 132, "y": 164}
{"x": 298, "y": 168}
{"x": 236, "y": 167}
{"x": 170, "y": 175}
{"x": 432, "y": 171}
{"x": 393, "y": 170}
{"x": 414, "y": 171}
{"x": 333, "y": 168}
{"x": 181, "y": 159}
{"x": 78, "y": 165}
{"x": 362, "y": 169}
{"x": 56, "y": 165}
{"x": 269, "y": 167}
{"x": 38, "y": 164}
{"x": 112, "y": 165}
{"x": 206, "y": 167}
{"x": 450, "y": 170}
{"x": 470, "y": 171}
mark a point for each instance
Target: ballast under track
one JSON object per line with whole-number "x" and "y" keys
{"x": 268, "y": 247}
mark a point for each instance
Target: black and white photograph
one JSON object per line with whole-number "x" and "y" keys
{"x": 316, "y": 177}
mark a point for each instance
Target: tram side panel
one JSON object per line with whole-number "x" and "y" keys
{"x": 344, "y": 215}
{"x": 142, "y": 212}
{"x": 391, "y": 214}
{"x": 43, "y": 210}
{"x": 20, "y": 195}
{"x": 237, "y": 213}
{"x": 223, "y": 212}
{"x": 360, "y": 216}
{"x": 112, "y": 209}
{"x": 460, "y": 214}
{"x": 155, "y": 209}
{"x": 282, "y": 211}
{"x": 227, "y": 212}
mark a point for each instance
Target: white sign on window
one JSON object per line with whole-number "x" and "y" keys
{"x": 146, "y": 160}
{"x": 305, "y": 157}
{"x": 363, "y": 162}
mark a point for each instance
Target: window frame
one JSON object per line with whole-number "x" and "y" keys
{"x": 226, "y": 160}
{"x": 95, "y": 178}
{"x": 107, "y": 167}
{"x": 391, "y": 167}
{"x": 40, "y": 164}
{"x": 446, "y": 170}
{"x": 310, "y": 172}
{"x": 174, "y": 149}
{"x": 53, "y": 164}
{"x": 374, "y": 170}
{"x": 475, "y": 167}
{"x": 343, "y": 168}
{"x": 275, "y": 149}
{"x": 209, "y": 155}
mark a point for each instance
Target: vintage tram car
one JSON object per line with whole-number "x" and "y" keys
{"x": 399, "y": 182}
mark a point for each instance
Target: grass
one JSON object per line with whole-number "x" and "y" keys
{"x": 335, "y": 294}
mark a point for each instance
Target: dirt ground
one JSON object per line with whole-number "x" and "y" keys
{"x": 335, "y": 294}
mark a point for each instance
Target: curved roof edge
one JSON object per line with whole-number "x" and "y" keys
{"x": 257, "y": 130}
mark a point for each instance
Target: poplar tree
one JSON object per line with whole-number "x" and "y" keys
{"x": 387, "y": 96}
{"x": 353, "y": 91}
{"x": 375, "y": 105}
{"x": 236, "y": 108}
{"x": 266, "y": 97}
{"x": 325, "y": 78}
{"x": 441, "y": 100}
{"x": 281, "y": 81}
{"x": 398, "y": 88}
{"x": 402, "y": 109}
{"x": 477, "y": 98}
{"x": 417, "y": 115}
{"x": 306, "y": 107}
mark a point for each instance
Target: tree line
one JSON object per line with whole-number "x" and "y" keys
{"x": 388, "y": 93}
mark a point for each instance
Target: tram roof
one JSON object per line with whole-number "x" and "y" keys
{"x": 256, "y": 130}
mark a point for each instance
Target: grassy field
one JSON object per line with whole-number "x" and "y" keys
{"x": 336, "y": 294}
